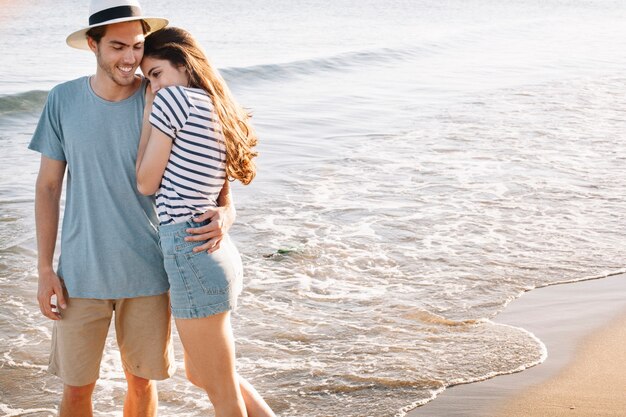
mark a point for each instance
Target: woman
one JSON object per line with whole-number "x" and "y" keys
{"x": 195, "y": 138}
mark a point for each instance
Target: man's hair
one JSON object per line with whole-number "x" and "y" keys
{"x": 98, "y": 32}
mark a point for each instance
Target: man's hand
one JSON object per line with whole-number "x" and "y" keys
{"x": 50, "y": 285}
{"x": 220, "y": 220}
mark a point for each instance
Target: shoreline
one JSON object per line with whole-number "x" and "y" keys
{"x": 566, "y": 318}
{"x": 591, "y": 385}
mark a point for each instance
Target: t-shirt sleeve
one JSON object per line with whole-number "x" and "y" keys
{"x": 170, "y": 110}
{"x": 48, "y": 136}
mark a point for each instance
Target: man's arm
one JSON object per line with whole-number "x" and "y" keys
{"x": 47, "y": 202}
{"x": 221, "y": 219}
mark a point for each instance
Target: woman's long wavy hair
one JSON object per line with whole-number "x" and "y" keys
{"x": 179, "y": 48}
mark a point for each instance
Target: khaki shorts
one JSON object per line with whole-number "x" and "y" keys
{"x": 142, "y": 327}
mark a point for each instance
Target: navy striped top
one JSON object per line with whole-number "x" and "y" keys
{"x": 196, "y": 169}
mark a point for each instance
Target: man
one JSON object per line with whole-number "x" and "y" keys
{"x": 110, "y": 263}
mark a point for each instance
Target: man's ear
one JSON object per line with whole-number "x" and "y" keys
{"x": 93, "y": 45}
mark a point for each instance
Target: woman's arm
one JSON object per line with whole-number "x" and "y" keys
{"x": 225, "y": 203}
{"x": 153, "y": 153}
{"x": 146, "y": 127}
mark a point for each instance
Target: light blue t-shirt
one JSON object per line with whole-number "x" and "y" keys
{"x": 109, "y": 238}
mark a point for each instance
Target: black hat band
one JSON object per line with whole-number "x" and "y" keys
{"x": 114, "y": 13}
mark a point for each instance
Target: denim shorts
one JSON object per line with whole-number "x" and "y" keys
{"x": 201, "y": 284}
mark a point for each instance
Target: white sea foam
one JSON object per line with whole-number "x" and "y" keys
{"x": 19, "y": 412}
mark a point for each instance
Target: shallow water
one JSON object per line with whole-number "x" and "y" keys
{"x": 421, "y": 165}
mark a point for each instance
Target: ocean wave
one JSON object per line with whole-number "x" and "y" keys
{"x": 428, "y": 317}
{"x": 339, "y": 62}
{"x": 33, "y": 101}
{"x": 26, "y": 102}
{"x": 606, "y": 274}
{"x": 543, "y": 355}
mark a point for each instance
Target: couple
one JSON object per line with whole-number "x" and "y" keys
{"x": 122, "y": 138}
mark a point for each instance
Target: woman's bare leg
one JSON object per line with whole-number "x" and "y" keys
{"x": 210, "y": 361}
{"x": 255, "y": 404}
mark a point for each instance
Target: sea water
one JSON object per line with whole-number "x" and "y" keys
{"x": 422, "y": 163}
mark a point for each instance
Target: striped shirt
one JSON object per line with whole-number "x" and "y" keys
{"x": 196, "y": 169}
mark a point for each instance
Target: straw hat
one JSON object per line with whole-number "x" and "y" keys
{"x": 107, "y": 12}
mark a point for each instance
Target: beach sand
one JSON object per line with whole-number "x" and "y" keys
{"x": 593, "y": 384}
{"x": 583, "y": 326}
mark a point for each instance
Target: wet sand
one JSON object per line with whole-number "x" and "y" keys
{"x": 593, "y": 384}
{"x": 583, "y": 326}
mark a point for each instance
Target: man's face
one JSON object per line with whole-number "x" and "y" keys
{"x": 119, "y": 52}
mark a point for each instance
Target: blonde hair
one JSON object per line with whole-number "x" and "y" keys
{"x": 177, "y": 46}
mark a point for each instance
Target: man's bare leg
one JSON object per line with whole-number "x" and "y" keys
{"x": 141, "y": 397}
{"x": 76, "y": 401}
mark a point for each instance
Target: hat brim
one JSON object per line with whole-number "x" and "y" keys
{"x": 78, "y": 39}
